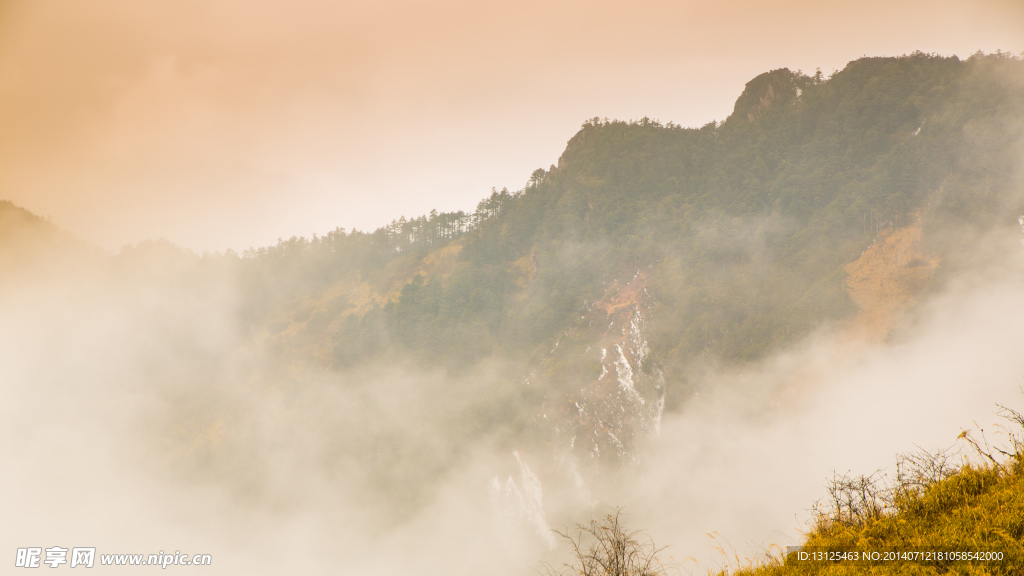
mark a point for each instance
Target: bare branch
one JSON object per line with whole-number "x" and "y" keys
{"x": 606, "y": 548}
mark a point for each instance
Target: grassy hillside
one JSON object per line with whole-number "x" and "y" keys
{"x": 932, "y": 506}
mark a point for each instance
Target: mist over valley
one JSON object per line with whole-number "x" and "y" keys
{"x": 695, "y": 325}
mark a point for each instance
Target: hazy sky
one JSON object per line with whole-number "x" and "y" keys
{"x": 229, "y": 123}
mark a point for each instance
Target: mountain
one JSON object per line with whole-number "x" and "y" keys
{"x": 651, "y": 251}
{"x": 561, "y": 320}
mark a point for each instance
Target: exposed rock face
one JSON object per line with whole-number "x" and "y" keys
{"x": 521, "y": 503}
{"x": 766, "y": 92}
{"x": 623, "y": 400}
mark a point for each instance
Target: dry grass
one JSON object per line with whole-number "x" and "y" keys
{"x": 887, "y": 279}
{"x": 934, "y": 503}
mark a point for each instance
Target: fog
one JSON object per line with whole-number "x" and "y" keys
{"x": 144, "y": 412}
{"x": 748, "y": 459}
{"x": 140, "y": 416}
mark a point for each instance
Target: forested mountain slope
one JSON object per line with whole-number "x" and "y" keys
{"x": 653, "y": 248}
{"x": 593, "y": 297}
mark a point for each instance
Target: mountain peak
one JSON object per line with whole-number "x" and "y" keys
{"x": 768, "y": 91}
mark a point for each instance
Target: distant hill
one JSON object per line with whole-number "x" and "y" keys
{"x": 34, "y": 246}
{"x": 23, "y": 233}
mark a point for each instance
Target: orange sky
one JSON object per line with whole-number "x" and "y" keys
{"x": 231, "y": 123}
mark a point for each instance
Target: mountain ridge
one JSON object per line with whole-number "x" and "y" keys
{"x": 610, "y": 283}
